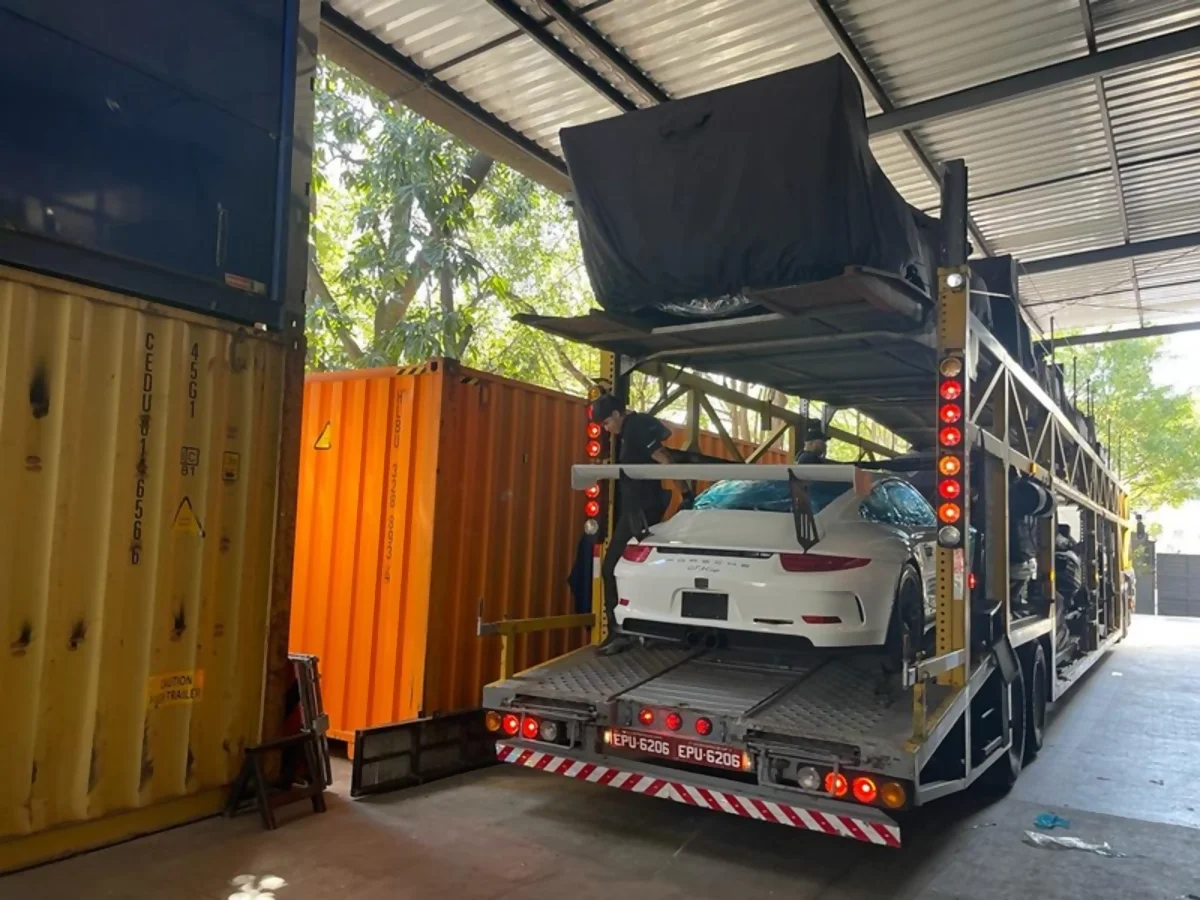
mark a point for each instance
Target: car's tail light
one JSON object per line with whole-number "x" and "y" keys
{"x": 703, "y": 727}
{"x": 591, "y": 509}
{"x": 593, "y": 430}
{"x": 530, "y": 728}
{"x": 592, "y": 492}
{"x": 816, "y": 562}
{"x": 821, "y": 620}
{"x": 646, "y": 717}
{"x": 674, "y": 721}
{"x": 492, "y": 720}
{"x": 636, "y": 552}
{"x": 511, "y": 724}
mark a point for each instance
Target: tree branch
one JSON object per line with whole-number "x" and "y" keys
{"x": 317, "y": 285}
{"x": 389, "y": 314}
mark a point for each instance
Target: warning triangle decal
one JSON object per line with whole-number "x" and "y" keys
{"x": 186, "y": 521}
{"x": 325, "y": 438}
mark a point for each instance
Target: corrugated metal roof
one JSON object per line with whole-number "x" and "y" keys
{"x": 1125, "y": 21}
{"x": 692, "y": 46}
{"x": 1054, "y": 134}
{"x": 924, "y": 48}
{"x": 1041, "y": 176}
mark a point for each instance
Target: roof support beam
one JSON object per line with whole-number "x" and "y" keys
{"x": 571, "y": 21}
{"x": 383, "y": 66}
{"x": 552, "y": 45}
{"x": 1110, "y": 254}
{"x": 1126, "y": 334}
{"x": 1110, "y": 143}
{"x": 863, "y": 70}
{"x": 1104, "y": 62}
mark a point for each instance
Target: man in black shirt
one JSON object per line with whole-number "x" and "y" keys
{"x": 641, "y": 503}
{"x": 815, "y": 444}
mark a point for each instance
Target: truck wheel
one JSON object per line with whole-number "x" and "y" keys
{"x": 1004, "y": 772}
{"x": 908, "y": 615}
{"x": 1035, "y": 705}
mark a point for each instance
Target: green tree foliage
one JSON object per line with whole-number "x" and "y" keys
{"x": 423, "y": 246}
{"x": 1155, "y": 429}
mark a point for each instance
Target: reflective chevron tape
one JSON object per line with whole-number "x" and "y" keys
{"x": 707, "y": 798}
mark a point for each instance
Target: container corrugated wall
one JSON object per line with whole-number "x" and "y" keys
{"x": 423, "y": 496}
{"x": 138, "y": 455}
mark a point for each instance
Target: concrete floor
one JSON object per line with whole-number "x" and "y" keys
{"x": 1122, "y": 764}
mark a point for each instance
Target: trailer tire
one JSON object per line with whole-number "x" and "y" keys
{"x": 1036, "y": 690}
{"x": 1007, "y": 769}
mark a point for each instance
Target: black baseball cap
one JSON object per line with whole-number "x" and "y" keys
{"x": 604, "y": 406}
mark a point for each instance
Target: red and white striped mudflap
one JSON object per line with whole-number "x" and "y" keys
{"x": 871, "y": 832}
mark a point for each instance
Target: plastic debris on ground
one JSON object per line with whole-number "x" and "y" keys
{"x": 1054, "y": 842}
{"x": 1049, "y": 821}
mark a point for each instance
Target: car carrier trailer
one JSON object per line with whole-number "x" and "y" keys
{"x": 827, "y": 741}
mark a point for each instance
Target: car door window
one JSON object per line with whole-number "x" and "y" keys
{"x": 878, "y": 507}
{"x": 913, "y": 510}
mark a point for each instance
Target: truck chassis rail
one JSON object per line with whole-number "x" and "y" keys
{"x": 870, "y": 828}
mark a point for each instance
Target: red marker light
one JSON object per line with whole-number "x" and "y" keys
{"x": 950, "y": 390}
{"x": 836, "y": 784}
{"x": 703, "y": 727}
{"x": 950, "y": 413}
{"x": 529, "y": 728}
{"x": 593, "y": 491}
{"x": 972, "y": 580}
{"x": 593, "y": 429}
{"x": 950, "y": 436}
{"x": 511, "y": 724}
{"x": 865, "y": 790}
{"x": 674, "y": 721}
{"x": 593, "y": 448}
{"x": 949, "y": 490}
{"x": 646, "y": 717}
{"x": 949, "y": 512}
{"x": 592, "y": 508}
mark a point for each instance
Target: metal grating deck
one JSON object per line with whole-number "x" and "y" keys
{"x": 714, "y": 686}
{"x": 587, "y": 677}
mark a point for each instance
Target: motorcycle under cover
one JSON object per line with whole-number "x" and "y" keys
{"x": 768, "y": 183}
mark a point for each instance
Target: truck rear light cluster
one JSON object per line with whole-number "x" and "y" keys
{"x": 703, "y": 725}
{"x": 817, "y": 562}
{"x": 951, "y": 486}
{"x": 529, "y": 727}
{"x": 598, "y": 450}
{"x": 864, "y": 789}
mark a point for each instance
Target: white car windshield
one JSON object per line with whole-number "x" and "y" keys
{"x": 766, "y": 496}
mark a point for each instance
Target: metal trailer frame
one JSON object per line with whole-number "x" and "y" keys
{"x": 823, "y": 710}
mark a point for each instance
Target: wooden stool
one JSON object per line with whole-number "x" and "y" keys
{"x": 252, "y": 778}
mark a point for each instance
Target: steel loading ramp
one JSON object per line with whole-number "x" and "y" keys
{"x": 834, "y": 706}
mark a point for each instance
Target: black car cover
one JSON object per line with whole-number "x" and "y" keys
{"x": 768, "y": 183}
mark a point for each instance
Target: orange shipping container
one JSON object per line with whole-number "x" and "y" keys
{"x": 425, "y": 495}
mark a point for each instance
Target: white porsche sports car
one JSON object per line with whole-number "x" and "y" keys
{"x": 735, "y": 563}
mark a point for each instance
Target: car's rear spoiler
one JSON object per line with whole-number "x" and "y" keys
{"x": 798, "y": 477}
{"x": 862, "y": 479}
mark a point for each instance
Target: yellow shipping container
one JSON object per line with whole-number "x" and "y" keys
{"x": 138, "y": 468}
